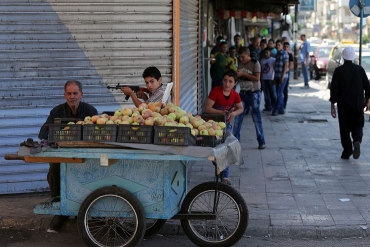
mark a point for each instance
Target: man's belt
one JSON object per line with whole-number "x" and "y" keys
{"x": 250, "y": 91}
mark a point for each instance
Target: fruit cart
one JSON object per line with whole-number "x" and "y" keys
{"x": 121, "y": 191}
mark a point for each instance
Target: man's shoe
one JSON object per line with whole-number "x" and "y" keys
{"x": 356, "y": 150}
{"x": 58, "y": 222}
{"x": 282, "y": 112}
{"x": 274, "y": 114}
{"x": 305, "y": 87}
{"x": 266, "y": 111}
{"x": 226, "y": 181}
{"x": 344, "y": 157}
{"x": 261, "y": 146}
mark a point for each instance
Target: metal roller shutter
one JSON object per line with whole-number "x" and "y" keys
{"x": 190, "y": 65}
{"x": 45, "y": 43}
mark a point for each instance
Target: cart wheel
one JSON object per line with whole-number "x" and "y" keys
{"x": 111, "y": 216}
{"x": 231, "y": 211}
{"x": 153, "y": 226}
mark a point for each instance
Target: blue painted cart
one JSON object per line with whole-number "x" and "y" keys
{"x": 119, "y": 193}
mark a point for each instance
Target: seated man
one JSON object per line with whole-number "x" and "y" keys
{"x": 72, "y": 108}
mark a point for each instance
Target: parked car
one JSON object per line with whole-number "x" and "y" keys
{"x": 335, "y": 59}
{"x": 319, "y": 61}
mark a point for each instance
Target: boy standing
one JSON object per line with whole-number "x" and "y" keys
{"x": 281, "y": 77}
{"x": 232, "y": 60}
{"x": 154, "y": 87}
{"x": 219, "y": 66}
{"x": 224, "y": 100}
{"x": 267, "y": 79}
{"x": 249, "y": 71}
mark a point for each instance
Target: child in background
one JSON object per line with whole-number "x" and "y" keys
{"x": 267, "y": 78}
{"x": 224, "y": 100}
{"x": 232, "y": 60}
{"x": 154, "y": 88}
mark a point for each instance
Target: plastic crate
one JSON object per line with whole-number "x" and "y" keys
{"x": 209, "y": 141}
{"x": 100, "y": 132}
{"x": 135, "y": 133}
{"x": 173, "y": 135}
{"x": 214, "y": 117}
{"x": 65, "y": 132}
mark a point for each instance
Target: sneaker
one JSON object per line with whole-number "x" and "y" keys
{"x": 282, "y": 112}
{"x": 305, "y": 87}
{"x": 58, "y": 222}
{"x": 226, "y": 181}
{"x": 266, "y": 111}
{"x": 274, "y": 114}
{"x": 261, "y": 146}
{"x": 356, "y": 150}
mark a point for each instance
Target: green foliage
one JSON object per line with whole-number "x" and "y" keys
{"x": 365, "y": 39}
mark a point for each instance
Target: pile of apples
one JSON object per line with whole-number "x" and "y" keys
{"x": 153, "y": 114}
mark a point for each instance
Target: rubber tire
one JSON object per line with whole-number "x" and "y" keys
{"x": 122, "y": 194}
{"x": 231, "y": 194}
{"x": 152, "y": 229}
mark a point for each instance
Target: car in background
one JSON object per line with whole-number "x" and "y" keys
{"x": 335, "y": 59}
{"x": 319, "y": 61}
{"x": 328, "y": 42}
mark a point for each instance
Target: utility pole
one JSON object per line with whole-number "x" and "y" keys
{"x": 295, "y": 29}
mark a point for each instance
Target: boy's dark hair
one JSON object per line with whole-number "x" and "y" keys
{"x": 231, "y": 73}
{"x": 244, "y": 50}
{"x": 263, "y": 41}
{"x": 286, "y": 43}
{"x": 223, "y": 43}
{"x": 152, "y": 72}
{"x": 278, "y": 41}
{"x": 77, "y": 83}
{"x": 232, "y": 48}
{"x": 273, "y": 41}
{"x": 267, "y": 49}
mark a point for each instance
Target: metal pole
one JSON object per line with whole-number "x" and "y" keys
{"x": 295, "y": 29}
{"x": 361, "y": 20}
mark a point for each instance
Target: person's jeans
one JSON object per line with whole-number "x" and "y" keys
{"x": 305, "y": 74}
{"x": 269, "y": 94}
{"x": 225, "y": 173}
{"x": 279, "y": 105}
{"x": 250, "y": 101}
{"x": 286, "y": 91}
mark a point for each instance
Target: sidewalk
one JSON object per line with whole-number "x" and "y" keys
{"x": 297, "y": 187}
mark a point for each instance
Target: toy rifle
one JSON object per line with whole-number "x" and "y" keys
{"x": 135, "y": 89}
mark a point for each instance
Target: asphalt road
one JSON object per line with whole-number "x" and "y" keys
{"x": 30, "y": 238}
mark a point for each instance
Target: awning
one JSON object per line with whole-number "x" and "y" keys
{"x": 237, "y": 14}
{"x": 264, "y": 6}
{"x": 226, "y": 14}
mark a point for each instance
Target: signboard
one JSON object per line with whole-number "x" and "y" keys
{"x": 355, "y": 7}
{"x": 308, "y": 5}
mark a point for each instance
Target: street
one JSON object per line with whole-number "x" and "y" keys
{"x": 24, "y": 238}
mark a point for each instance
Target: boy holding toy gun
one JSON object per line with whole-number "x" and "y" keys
{"x": 154, "y": 87}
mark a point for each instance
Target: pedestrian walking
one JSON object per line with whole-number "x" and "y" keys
{"x": 347, "y": 91}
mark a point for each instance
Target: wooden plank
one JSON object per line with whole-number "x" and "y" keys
{"x": 32, "y": 159}
{"x": 13, "y": 157}
{"x": 85, "y": 144}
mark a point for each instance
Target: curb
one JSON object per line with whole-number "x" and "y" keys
{"x": 173, "y": 227}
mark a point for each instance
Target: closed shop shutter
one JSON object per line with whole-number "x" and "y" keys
{"x": 46, "y": 43}
{"x": 190, "y": 65}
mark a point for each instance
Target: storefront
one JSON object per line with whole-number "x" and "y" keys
{"x": 46, "y": 43}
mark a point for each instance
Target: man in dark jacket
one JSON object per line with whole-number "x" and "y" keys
{"x": 73, "y": 108}
{"x": 347, "y": 90}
